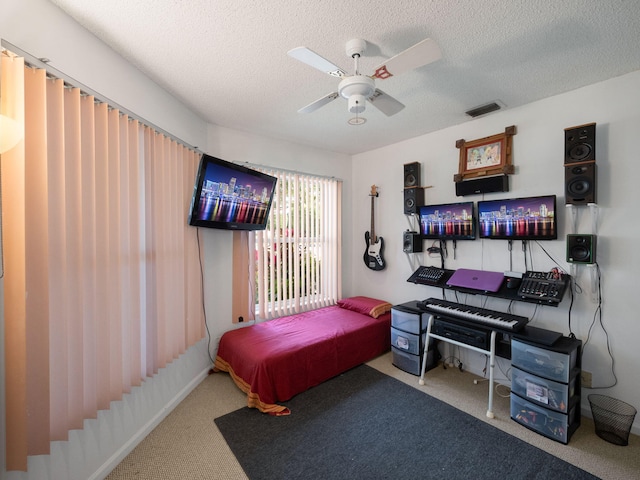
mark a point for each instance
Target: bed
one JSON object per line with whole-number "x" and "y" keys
{"x": 277, "y": 359}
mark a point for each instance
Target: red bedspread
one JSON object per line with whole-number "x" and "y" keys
{"x": 275, "y": 360}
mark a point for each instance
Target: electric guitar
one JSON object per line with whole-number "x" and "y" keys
{"x": 375, "y": 245}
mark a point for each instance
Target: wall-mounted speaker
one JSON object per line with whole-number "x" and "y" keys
{"x": 499, "y": 183}
{"x": 580, "y": 183}
{"x": 411, "y": 175}
{"x": 411, "y": 242}
{"x": 581, "y": 248}
{"x": 580, "y": 144}
{"x": 413, "y": 198}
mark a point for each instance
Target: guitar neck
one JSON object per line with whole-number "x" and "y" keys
{"x": 373, "y": 229}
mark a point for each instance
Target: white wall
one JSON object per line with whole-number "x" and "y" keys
{"x": 39, "y": 28}
{"x": 538, "y": 156}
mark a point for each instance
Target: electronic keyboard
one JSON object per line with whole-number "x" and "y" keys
{"x": 477, "y": 315}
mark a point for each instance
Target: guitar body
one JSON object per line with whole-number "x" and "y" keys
{"x": 373, "y": 253}
{"x": 375, "y": 245}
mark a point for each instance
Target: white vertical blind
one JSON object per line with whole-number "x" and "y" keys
{"x": 297, "y": 259}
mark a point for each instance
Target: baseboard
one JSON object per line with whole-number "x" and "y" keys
{"x": 134, "y": 440}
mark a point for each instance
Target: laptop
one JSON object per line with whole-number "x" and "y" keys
{"x": 476, "y": 280}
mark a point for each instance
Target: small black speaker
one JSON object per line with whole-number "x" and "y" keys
{"x": 413, "y": 198}
{"x": 411, "y": 242}
{"x": 581, "y": 248}
{"x": 412, "y": 175}
{"x": 499, "y": 183}
{"x": 580, "y": 183}
{"x": 580, "y": 144}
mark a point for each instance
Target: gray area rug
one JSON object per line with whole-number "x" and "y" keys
{"x": 364, "y": 424}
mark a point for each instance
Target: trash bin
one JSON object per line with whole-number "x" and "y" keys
{"x": 613, "y": 418}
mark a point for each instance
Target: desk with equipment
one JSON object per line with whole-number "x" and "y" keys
{"x": 492, "y": 333}
{"x": 544, "y": 288}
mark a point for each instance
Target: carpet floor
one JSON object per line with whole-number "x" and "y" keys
{"x": 364, "y": 424}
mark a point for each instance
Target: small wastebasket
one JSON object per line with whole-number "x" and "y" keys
{"x": 613, "y": 418}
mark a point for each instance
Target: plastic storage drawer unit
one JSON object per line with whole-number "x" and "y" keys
{"x": 408, "y": 336}
{"x": 545, "y": 387}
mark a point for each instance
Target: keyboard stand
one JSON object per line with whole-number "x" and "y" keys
{"x": 491, "y": 352}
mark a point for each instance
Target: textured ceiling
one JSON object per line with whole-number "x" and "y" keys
{"x": 227, "y": 59}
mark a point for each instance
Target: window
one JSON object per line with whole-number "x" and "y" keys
{"x": 296, "y": 262}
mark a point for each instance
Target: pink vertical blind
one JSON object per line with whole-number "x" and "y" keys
{"x": 102, "y": 281}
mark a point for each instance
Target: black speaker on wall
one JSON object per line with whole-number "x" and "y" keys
{"x": 499, "y": 183}
{"x": 411, "y": 175}
{"x": 580, "y": 144}
{"x": 411, "y": 242}
{"x": 413, "y": 198}
{"x": 581, "y": 248}
{"x": 580, "y": 183}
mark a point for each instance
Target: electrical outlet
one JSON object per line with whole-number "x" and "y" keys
{"x": 585, "y": 379}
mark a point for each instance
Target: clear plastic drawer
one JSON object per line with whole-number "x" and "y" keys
{"x": 544, "y": 362}
{"x": 555, "y": 425}
{"x": 412, "y": 363}
{"x": 408, "y": 341}
{"x": 541, "y": 391}
{"x": 410, "y": 322}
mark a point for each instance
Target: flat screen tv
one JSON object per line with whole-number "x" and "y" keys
{"x": 528, "y": 218}
{"x": 230, "y": 196}
{"x": 448, "y": 221}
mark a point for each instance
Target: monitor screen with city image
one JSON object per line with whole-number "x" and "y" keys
{"x": 526, "y": 218}
{"x": 230, "y": 196}
{"x": 448, "y": 221}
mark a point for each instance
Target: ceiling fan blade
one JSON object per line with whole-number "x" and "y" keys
{"x": 314, "y": 60}
{"x": 420, "y": 54}
{"x": 313, "y": 106}
{"x": 385, "y": 103}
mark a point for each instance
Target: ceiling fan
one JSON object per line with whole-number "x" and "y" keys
{"x": 358, "y": 88}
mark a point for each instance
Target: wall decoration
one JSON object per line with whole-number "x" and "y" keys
{"x": 485, "y": 156}
{"x": 375, "y": 244}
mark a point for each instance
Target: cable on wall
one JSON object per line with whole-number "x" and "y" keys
{"x": 204, "y": 308}
{"x": 597, "y": 316}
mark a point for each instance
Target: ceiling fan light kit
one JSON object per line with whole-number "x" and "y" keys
{"x": 357, "y": 88}
{"x": 357, "y": 103}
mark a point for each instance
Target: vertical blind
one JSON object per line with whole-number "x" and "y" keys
{"x": 298, "y": 257}
{"x": 101, "y": 273}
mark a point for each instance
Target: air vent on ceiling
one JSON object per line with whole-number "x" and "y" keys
{"x": 483, "y": 109}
